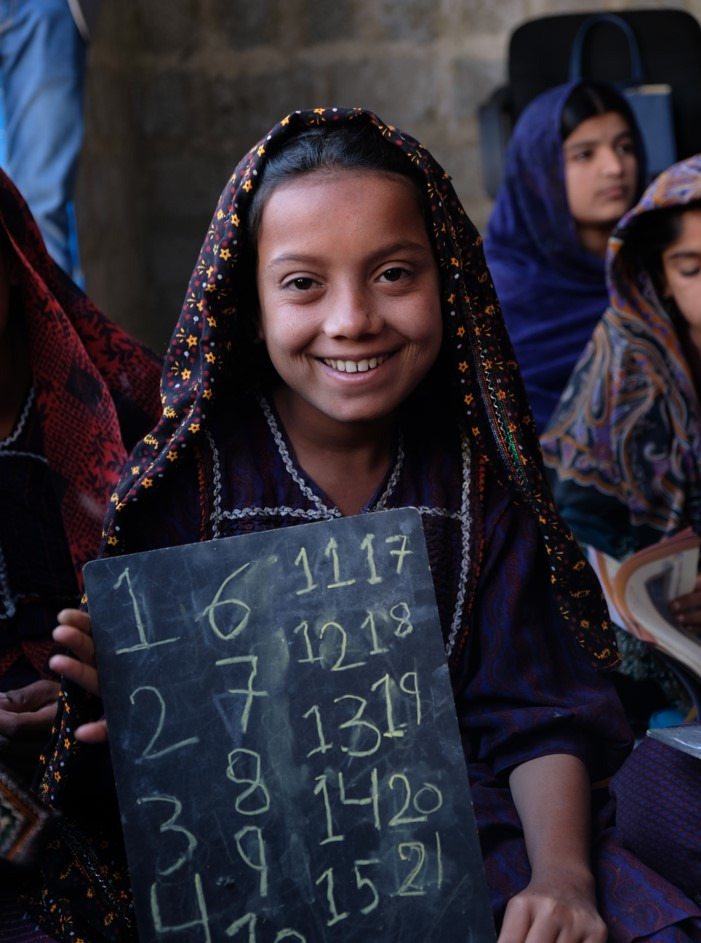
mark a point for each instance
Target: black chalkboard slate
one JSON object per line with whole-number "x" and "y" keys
{"x": 284, "y": 738}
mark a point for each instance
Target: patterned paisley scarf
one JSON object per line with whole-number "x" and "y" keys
{"x": 627, "y": 433}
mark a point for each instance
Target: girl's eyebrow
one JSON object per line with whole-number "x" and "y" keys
{"x": 592, "y": 142}
{"x": 383, "y": 251}
{"x": 684, "y": 254}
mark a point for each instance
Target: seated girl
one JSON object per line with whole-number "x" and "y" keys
{"x": 574, "y": 165}
{"x": 341, "y": 351}
{"x": 75, "y": 393}
{"x": 625, "y": 440}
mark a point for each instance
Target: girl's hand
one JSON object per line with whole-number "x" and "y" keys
{"x": 29, "y": 711}
{"x": 555, "y": 906}
{"x": 73, "y": 632}
{"x": 687, "y": 609}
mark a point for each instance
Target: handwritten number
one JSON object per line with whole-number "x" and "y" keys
{"x": 338, "y": 664}
{"x": 170, "y": 826}
{"x": 322, "y": 788}
{"x": 406, "y": 850}
{"x": 261, "y": 864}
{"x": 332, "y": 552}
{"x": 203, "y": 920}
{"x": 238, "y": 758}
{"x": 362, "y": 882}
{"x": 149, "y": 753}
{"x": 376, "y": 649}
{"x": 357, "y": 722}
{"x": 218, "y": 603}
{"x": 323, "y": 747}
{"x": 402, "y": 540}
{"x": 304, "y": 561}
{"x": 249, "y": 691}
{"x": 367, "y": 545}
{"x": 335, "y": 915}
{"x": 125, "y": 577}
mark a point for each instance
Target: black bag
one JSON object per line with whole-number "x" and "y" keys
{"x": 651, "y": 104}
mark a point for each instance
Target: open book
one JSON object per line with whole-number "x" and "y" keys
{"x": 638, "y": 591}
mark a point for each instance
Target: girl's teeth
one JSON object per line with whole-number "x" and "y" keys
{"x": 355, "y": 366}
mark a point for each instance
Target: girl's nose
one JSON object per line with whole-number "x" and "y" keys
{"x": 352, "y": 313}
{"x": 612, "y": 161}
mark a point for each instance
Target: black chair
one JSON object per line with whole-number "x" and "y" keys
{"x": 540, "y": 54}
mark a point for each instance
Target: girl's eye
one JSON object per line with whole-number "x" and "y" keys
{"x": 626, "y": 147}
{"x": 690, "y": 272}
{"x": 581, "y": 155}
{"x": 301, "y": 283}
{"x": 394, "y": 274}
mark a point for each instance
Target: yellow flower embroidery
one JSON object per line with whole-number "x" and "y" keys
{"x": 248, "y": 186}
{"x": 186, "y": 374}
{"x": 210, "y": 357}
{"x": 148, "y": 482}
{"x": 194, "y": 427}
{"x": 192, "y": 341}
{"x": 462, "y": 366}
{"x": 225, "y": 254}
{"x": 172, "y": 455}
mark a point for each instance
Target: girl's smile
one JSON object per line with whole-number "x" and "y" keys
{"x": 349, "y": 296}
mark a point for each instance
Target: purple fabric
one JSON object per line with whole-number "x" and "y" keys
{"x": 658, "y": 813}
{"x": 551, "y": 290}
{"x": 523, "y": 687}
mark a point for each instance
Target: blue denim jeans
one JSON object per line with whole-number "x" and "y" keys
{"x": 42, "y": 67}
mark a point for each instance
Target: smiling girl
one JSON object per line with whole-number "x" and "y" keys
{"x": 341, "y": 351}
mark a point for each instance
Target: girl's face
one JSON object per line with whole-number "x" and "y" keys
{"x": 601, "y": 170}
{"x": 681, "y": 267}
{"x": 349, "y": 296}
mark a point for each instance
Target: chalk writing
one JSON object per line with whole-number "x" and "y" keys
{"x": 284, "y": 738}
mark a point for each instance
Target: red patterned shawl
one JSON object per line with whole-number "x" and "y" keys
{"x": 96, "y": 387}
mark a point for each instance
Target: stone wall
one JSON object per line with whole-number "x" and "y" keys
{"x": 177, "y": 90}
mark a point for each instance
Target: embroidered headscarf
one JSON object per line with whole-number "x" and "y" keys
{"x": 552, "y": 291}
{"x": 86, "y": 372}
{"x": 628, "y": 427}
{"x": 494, "y": 409}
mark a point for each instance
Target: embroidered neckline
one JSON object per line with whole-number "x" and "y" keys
{"x": 378, "y": 505}
{"x": 21, "y": 422}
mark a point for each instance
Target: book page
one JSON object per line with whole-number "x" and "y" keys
{"x": 686, "y": 738}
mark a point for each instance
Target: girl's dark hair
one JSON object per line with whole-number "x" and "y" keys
{"x": 589, "y": 100}
{"x": 648, "y": 235}
{"x": 328, "y": 149}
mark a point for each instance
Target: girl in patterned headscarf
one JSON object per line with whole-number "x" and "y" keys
{"x": 625, "y": 441}
{"x": 341, "y": 351}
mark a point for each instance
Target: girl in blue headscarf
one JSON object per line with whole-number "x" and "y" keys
{"x": 574, "y": 166}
